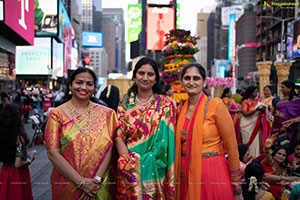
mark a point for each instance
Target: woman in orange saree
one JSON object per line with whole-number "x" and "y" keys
{"x": 234, "y": 109}
{"x": 78, "y": 138}
{"x": 204, "y": 126}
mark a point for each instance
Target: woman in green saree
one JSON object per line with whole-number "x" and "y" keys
{"x": 145, "y": 140}
{"x": 79, "y": 137}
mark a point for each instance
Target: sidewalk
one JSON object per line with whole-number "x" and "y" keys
{"x": 40, "y": 170}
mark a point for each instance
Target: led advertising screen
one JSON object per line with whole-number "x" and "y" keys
{"x": 92, "y": 39}
{"x": 18, "y": 15}
{"x": 231, "y": 35}
{"x": 45, "y": 17}
{"x": 296, "y": 39}
{"x": 160, "y": 2}
{"x": 34, "y": 60}
{"x": 238, "y": 10}
{"x": 66, "y": 35}
{"x": 160, "y": 20}
{"x": 289, "y": 40}
{"x": 1, "y": 10}
{"x": 57, "y": 59}
{"x": 134, "y": 21}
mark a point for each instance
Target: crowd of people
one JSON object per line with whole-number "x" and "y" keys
{"x": 144, "y": 146}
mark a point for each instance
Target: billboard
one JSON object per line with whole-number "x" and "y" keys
{"x": 227, "y": 11}
{"x": 57, "y": 59}
{"x": 134, "y": 21}
{"x": 45, "y": 17}
{"x": 296, "y": 38}
{"x": 1, "y": 10}
{"x": 160, "y": 20}
{"x": 160, "y": 2}
{"x": 289, "y": 40}
{"x": 231, "y": 35}
{"x": 34, "y": 60}
{"x": 91, "y": 39}
{"x": 18, "y": 15}
{"x": 66, "y": 34}
{"x": 178, "y": 16}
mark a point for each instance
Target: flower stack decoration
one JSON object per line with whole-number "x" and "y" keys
{"x": 179, "y": 50}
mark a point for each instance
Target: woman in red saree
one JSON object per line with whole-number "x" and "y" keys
{"x": 251, "y": 122}
{"x": 145, "y": 140}
{"x": 79, "y": 140}
{"x": 234, "y": 109}
{"x": 267, "y": 100}
{"x": 204, "y": 127}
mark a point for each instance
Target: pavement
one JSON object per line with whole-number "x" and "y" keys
{"x": 40, "y": 169}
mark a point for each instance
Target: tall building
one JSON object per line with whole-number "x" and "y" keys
{"x": 114, "y": 38}
{"x": 99, "y": 61}
{"x": 91, "y": 15}
{"x": 246, "y": 43}
{"x": 269, "y": 30}
{"x": 201, "y": 56}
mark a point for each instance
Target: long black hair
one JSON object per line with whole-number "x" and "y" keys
{"x": 71, "y": 78}
{"x": 144, "y": 61}
{"x": 275, "y": 148}
{"x": 249, "y": 92}
{"x": 291, "y": 85}
{"x": 256, "y": 170}
{"x": 225, "y": 91}
{"x": 11, "y": 127}
{"x": 243, "y": 148}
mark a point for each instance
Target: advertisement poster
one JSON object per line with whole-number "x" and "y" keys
{"x": 45, "y": 17}
{"x": 57, "y": 60}
{"x": 296, "y": 39}
{"x": 134, "y": 21}
{"x": 20, "y": 18}
{"x": 231, "y": 37}
{"x": 34, "y": 60}
{"x": 91, "y": 39}
{"x": 66, "y": 35}
{"x": 160, "y": 20}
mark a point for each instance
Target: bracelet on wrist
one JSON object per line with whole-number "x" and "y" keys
{"x": 81, "y": 182}
{"x": 98, "y": 178}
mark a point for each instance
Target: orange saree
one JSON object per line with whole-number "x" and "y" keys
{"x": 83, "y": 152}
{"x": 205, "y": 161}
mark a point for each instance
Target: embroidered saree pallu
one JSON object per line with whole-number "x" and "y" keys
{"x": 147, "y": 172}
{"x": 83, "y": 152}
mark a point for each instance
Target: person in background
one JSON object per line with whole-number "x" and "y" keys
{"x": 267, "y": 100}
{"x": 294, "y": 158}
{"x": 145, "y": 140}
{"x": 14, "y": 175}
{"x": 233, "y": 109}
{"x": 275, "y": 164}
{"x": 286, "y": 110}
{"x": 237, "y": 97}
{"x": 111, "y": 96}
{"x": 251, "y": 127}
{"x": 252, "y": 189}
{"x": 169, "y": 92}
{"x": 244, "y": 155}
{"x": 204, "y": 127}
{"x": 79, "y": 139}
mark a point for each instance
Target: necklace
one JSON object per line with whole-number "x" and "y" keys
{"x": 74, "y": 113}
{"x": 138, "y": 101}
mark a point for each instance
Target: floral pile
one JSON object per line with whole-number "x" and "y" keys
{"x": 179, "y": 50}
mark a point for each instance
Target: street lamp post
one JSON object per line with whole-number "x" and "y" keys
{"x": 282, "y": 30}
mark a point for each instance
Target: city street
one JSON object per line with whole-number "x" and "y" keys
{"x": 40, "y": 170}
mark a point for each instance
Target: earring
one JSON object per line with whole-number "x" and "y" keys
{"x": 70, "y": 92}
{"x": 93, "y": 95}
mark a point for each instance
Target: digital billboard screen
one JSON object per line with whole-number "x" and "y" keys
{"x": 296, "y": 39}
{"x": 92, "y": 39}
{"x": 18, "y": 15}
{"x": 160, "y": 20}
{"x": 45, "y": 17}
{"x": 57, "y": 59}
{"x": 34, "y": 60}
{"x": 134, "y": 21}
